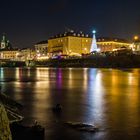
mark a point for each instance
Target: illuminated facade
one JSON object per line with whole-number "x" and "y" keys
{"x": 136, "y": 44}
{"x": 26, "y": 54}
{"x": 6, "y": 50}
{"x": 111, "y": 44}
{"x": 8, "y": 54}
{"x": 41, "y": 48}
{"x": 71, "y": 43}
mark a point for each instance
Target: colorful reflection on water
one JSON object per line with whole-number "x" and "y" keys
{"x": 108, "y": 98}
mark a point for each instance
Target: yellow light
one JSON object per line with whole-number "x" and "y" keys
{"x": 113, "y": 42}
{"x": 43, "y": 57}
{"x": 114, "y": 49}
{"x": 136, "y": 37}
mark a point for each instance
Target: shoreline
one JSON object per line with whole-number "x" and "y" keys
{"x": 127, "y": 61}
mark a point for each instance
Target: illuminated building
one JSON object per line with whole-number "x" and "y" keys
{"x": 136, "y": 44}
{"x": 8, "y": 54}
{"x": 41, "y": 48}
{"x": 72, "y": 43}
{"x": 26, "y": 54}
{"x": 6, "y": 50}
{"x": 111, "y": 44}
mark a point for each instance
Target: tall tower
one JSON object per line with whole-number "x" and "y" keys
{"x": 94, "y": 43}
{"x": 3, "y": 42}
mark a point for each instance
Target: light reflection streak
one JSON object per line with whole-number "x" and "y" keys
{"x": 17, "y": 73}
{"x": 85, "y": 76}
{"x": 41, "y": 92}
{"x": 96, "y": 91}
{"x": 70, "y": 78}
{"x": 59, "y": 78}
{"x": 1, "y": 74}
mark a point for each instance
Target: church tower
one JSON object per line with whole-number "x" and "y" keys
{"x": 5, "y": 44}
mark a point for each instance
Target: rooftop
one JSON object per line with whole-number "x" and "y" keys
{"x": 71, "y": 33}
{"x": 42, "y": 42}
{"x": 107, "y": 39}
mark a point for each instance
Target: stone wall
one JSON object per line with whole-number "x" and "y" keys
{"x": 5, "y": 133}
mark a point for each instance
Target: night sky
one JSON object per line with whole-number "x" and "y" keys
{"x": 27, "y": 22}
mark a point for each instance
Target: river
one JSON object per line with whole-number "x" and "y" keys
{"x": 107, "y": 98}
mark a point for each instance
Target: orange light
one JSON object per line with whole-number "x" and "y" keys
{"x": 136, "y": 37}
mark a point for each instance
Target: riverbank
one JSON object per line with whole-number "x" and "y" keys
{"x": 98, "y": 61}
{"x": 131, "y": 61}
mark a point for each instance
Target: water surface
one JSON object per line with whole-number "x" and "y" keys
{"x": 108, "y": 98}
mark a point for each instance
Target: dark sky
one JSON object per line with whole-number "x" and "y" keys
{"x": 26, "y": 22}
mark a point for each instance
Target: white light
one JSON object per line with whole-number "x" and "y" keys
{"x": 94, "y": 32}
{"x": 38, "y": 55}
{"x": 98, "y": 50}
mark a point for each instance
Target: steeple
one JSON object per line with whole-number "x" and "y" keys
{"x": 5, "y": 44}
{"x": 3, "y": 37}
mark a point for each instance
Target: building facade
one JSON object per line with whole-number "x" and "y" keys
{"x": 71, "y": 43}
{"x": 26, "y": 54}
{"x": 136, "y": 44}
{"x": 9, "y": 54}
{"x": 41, "y": 48}
{"x": 6, "y": 50}
{"x": 112, "y": 44}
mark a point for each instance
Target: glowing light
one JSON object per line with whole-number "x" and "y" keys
{"x": 98, "y": 50}
{"x": 94, "y": 32}
{"x": 114, "y": 49}
{"x": 132, "y": 47}
{"x": 113, "y": 42}
{"x": 38, "y": 55}
{"x": 136, "y": 37}
{"x": 42, "y": 57}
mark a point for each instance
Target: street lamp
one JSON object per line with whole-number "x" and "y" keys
{"x": 136, "y": 37}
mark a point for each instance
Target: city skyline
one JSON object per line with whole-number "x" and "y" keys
{"x": 28, "y": 22}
